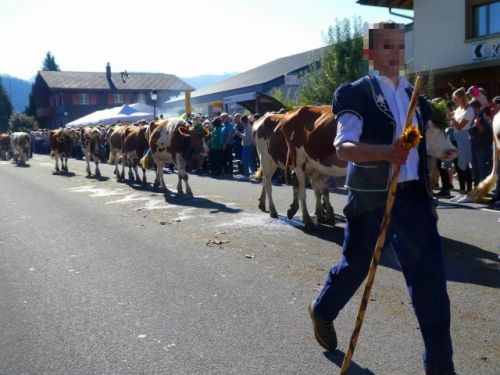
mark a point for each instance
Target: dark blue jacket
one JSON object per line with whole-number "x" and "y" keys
{"x": 364, "y": 99}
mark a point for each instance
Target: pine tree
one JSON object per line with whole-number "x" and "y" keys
{"x": 6, "y": 108}
{"x": 49, "y": 63}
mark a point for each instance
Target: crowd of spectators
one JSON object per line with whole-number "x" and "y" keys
{"x": 470, "y": 123}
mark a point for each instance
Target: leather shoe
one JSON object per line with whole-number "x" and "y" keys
{"x": 324, "y": 332}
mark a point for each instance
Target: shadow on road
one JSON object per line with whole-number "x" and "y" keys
{"x": 464, "y": 263}
{"x": 337, "y": 357}
{"x": 470, "y": 264}
{"x": 64, "y": 174}
{"x": 198, "y": 202}
{"x": 100, "y": 178}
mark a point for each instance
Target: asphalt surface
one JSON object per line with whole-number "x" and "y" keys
{"x": 101, "y": 277}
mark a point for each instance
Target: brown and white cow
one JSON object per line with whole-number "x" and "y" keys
{"x": 114, "y": 136}
{"x": 134, "y": 146}
{"x": 5, "y": 146}
{"x": 21, "y": 146}
{"x": 272, "y": 151}
{"x": 310, "y": 131}
{"x": 91, "y": 140}
{"x": 61, "y": 143}
{"x": 171, "y": 141}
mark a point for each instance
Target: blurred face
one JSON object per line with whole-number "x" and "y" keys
{"x": 388, "y": 52}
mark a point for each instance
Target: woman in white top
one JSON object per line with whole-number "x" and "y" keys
{"x": 461, "y": 121}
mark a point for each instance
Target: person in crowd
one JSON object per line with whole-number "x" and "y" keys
{"x": 238, "y": 142}
{"x": 215, "y": 155}
{"x": 479, "y": 94}
{"x": 227, "y": 139}
{"x": 461, "y": 122}
{"x": 481, "y": 138}
{"x": 496, "y": 128}
{"x": 371, "y": 115}
{"x": 248, "y": 151}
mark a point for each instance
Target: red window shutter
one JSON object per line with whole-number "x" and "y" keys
{"x": 110, "y": 98}
{"x": 128, "y": 98}
{"x": 93, "y": 98}
{"x": 74, "y": 98}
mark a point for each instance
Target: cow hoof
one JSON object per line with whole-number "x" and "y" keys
{"x": 138, "y": 181}
{"x": 262, "y": 207}
{"x": 273, "y": 214}
{"x": 291, "y": 213}
{"x": 98, "y": 174}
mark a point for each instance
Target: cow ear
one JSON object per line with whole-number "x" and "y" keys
{"x": 184, "y": 130}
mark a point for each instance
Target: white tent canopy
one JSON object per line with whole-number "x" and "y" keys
{"x": 124, "y": 113}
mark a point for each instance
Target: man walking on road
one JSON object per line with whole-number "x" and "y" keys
{"x": 371, "y": 115}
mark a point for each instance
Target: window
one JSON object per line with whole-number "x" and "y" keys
{"x": 483, "y": 18}
{"x": 118, "y": 98}
{"x": 141, "y": 97}
{"x": 84, "y": 99}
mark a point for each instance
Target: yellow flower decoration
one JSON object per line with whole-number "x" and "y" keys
{"x": 410, "y": 138}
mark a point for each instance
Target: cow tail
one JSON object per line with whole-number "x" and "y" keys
{"x": 146, "y": 160}
{"x": 487, "y": 184}
{"x": 112, "y": 158}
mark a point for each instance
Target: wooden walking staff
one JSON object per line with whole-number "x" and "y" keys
{"x": 409, "y": 138}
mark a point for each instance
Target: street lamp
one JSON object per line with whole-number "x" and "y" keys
{"x": 154, "y": 97}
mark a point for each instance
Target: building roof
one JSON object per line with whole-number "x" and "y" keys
{"x": 263, "y": 73}
{"x": 400, "y": 4}
{"x": 98, "y": 81}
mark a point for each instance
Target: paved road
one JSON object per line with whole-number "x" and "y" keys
{"x": 102, "y": 277}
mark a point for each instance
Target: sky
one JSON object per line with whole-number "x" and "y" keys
{"x": 186, "y": 38}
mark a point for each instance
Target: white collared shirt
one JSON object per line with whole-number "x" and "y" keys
{"x": 350, "y": 126}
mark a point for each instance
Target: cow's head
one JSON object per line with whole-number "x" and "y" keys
{"x": 197, "y": 136}
{"x": 438, "y": 144}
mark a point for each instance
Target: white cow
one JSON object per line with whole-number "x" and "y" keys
{"x": 21, "y": 146}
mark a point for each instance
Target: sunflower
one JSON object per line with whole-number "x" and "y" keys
{"x": 410, "y": 137}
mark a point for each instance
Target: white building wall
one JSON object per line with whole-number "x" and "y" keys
{"x": 439, "y": 36}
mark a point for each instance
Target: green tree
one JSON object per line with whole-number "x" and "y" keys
{"x": 6, "y": 108}
{"x": 49, "y": 63}
{"x": 20, "y": 122}
{"x": 287, "y": 100}
{"x": 341, "y": 61}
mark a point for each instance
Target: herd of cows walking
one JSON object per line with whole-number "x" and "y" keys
{"x": 300, "y": 140}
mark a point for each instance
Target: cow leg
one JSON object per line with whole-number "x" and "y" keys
{"x": 64, "y": 163}
{"x": 144, "y": 180}
{"x": 262, "y": 198}
{"x": 294, "y": 207}
{"x": 159, "y": 176}
{"x": 136, "y": 171}
{"x": 267, "y": 184}
{"x": 87, "y": 160}
{"x": 121, "y": 176}
{"x": 57, "y": 163}
{"x": 131, "y": 167}
{"x": 324, "y": 210}
{"x": 97, "y": 171}
{"x": 301, "y": 191}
